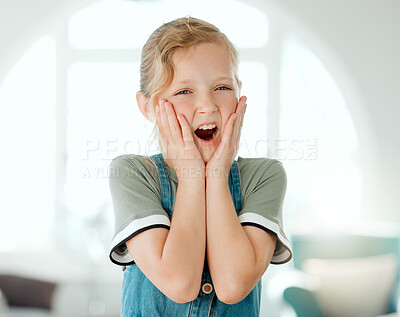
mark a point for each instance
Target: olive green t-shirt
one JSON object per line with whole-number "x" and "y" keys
{"x": 136, "y": 197}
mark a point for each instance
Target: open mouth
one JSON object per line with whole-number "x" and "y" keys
{"x": 206, "y": 133}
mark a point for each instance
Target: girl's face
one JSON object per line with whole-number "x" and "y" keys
{"x": 203, "y": 90}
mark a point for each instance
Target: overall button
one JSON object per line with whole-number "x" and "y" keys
{"x": 207, "y": 288}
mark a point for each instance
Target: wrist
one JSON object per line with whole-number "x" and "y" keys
{"x": 190, "y": 173}
{"x": 217, "y": 174}
{"x": 214, "y": 184}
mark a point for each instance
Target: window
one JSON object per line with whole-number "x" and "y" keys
{"x": 320, "y": 141}
{"x": 27, "y": 127}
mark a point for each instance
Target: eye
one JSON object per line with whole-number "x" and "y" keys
{"x": 223, "y": 88}
{"x": 183, "y": 92}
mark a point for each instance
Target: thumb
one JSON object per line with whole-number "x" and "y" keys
{"x": 186, "y": 132}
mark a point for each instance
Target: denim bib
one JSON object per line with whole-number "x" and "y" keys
{"x": 141, "y": 298}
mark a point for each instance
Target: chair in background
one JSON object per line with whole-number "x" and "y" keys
{"x": 358, "y": 275}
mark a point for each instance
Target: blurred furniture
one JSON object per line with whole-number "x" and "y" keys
{"x": 24, "y": 296}
{"x": 27, "y": 292}
{"x": 352, "y": 275}
{"x": 74, "y": 295}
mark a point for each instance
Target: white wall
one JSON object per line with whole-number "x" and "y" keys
{"x": 359, "y": 43}
{"x": 366, "y": 37}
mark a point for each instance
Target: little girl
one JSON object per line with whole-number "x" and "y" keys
{"x": 195, "y": 228}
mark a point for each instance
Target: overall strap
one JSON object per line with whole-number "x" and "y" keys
{"x": 234, "y": 186}
{"x": 165, "y": 185}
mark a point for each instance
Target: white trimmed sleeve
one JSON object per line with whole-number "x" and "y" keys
{"x": 136, "y": 201}
{"x": 262, "y": 206}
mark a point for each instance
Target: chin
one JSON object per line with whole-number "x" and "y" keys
{"x": 207, "y": 155}
{"x": 206, "y": 152}
{"x": 206, "y": 158}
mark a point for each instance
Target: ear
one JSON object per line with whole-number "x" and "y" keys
{"x": 143, "y": 104}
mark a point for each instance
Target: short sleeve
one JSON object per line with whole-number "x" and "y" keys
{"x": 136, "y": 202}
{"x": 263, "y": 192}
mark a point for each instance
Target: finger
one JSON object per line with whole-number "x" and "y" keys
{"x": 186, "y": 132}
{"x": 242, "y": 101}
{"x": 240, "y": 113}
{"x": 225, "y": 145}
{"x": 239, "y": 129}
{"x": 172, "y": 121}
{"x": 240, "y": 122}
{"x": 165, "y": 123}
{"x": 234, "y": 137}
{"x": 229, "y": 127}
{"x": 240, "y": 110}
{"x": 159, "y": 123}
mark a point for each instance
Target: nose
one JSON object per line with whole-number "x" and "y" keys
{"x": 206, "y": 104}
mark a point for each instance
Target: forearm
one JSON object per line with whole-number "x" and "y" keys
{"x": 230, "y": 254}
{"x": 184, "y": 249}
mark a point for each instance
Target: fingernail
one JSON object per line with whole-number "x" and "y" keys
{"x": 244, "y": 99}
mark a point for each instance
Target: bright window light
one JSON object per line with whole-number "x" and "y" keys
{"x": 253, "y": 142}
{"x": 103, "y": 122}
{"x": 27, "y": 117}
{"x": 325, "y": 184}
{"x": 118, "y": 24}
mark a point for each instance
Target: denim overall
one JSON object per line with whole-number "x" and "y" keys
{"x": 141, "y": 298}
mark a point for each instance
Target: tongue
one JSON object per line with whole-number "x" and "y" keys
{"x": 205, "y": 134}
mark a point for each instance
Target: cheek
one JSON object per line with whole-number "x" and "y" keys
{"x": 227, "y": 95}
{"x": 181, "y": 106}
{"x": 229, "y": 107}
{"x": 228, "y": 103}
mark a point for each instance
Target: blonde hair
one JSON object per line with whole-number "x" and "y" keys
{"x": 156, "y": 67}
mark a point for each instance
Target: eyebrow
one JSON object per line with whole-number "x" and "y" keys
{"x": 188, "y": 81}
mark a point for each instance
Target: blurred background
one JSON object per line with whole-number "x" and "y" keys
{"x": 322, "y": 81}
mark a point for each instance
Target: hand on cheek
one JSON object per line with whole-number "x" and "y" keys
{"x": 180, "y": 150}
{"x": 220, "y": 163}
